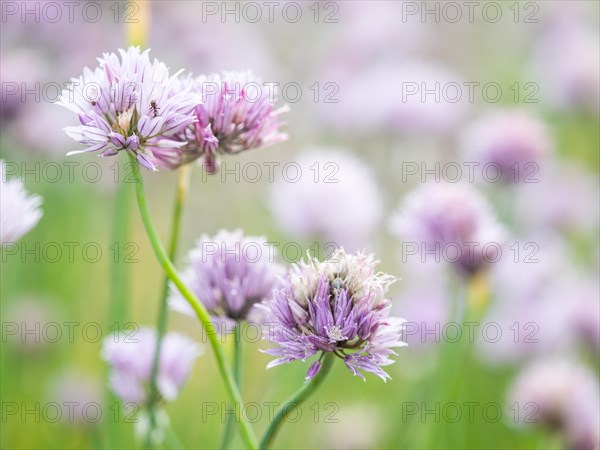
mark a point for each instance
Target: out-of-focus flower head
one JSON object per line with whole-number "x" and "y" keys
{"x": 20, "y": 70}
{"x": 544, "y": 299}
{"x": 565, "y": 60}
{"x": 130, "y": 103}
{"x": 335, "y": 198}
{"x": 238, "y": 113}
{"x": 562, "y": 196}
{"x": 513, "y": 140}
{"x": 19, "y": 211}
{"x": 451, "y": 220}
{"x": 410, "y": 98}
{"x": 43, "y": 139}
{"x": 563, "y": 396}
{"x": 372, "y": 34}
{"x": 131, "y": 357}
{"x": 79, "y": 396}
{"x": 586, "y": 311}
{"x": 229, "y": 273}
{"x": 25, "y": 318}
{"x": 336, "y": 306}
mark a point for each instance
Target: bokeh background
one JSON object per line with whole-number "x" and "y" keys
{"x": 358, "y": 54}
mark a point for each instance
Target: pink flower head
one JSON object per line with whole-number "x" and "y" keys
{"x": 229, "y": 273}
{"x": 335, "y": 306}
{"x": 130, "y": 103}
{"x": 237, "y": 114}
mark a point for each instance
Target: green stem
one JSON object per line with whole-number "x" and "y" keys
{"x": 163, "y": 310}
{"x": 199, "y": 309}
{"x": 237, "y": 375}
{"x": 118, "y": 272}
{"x": 454, "y": 371}
{"x": 296, "y": 400}
{"x": 118, "y": 296}
{"x": 444, "y": 361}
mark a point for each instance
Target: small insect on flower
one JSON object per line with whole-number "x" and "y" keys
{"x": 336, "y": 306}
{"x": 154, "y": 108}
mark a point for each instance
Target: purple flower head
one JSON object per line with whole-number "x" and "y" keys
{"x": 515, "y": 141}
{"x": 131, "y": 356}
{"x": 132, "y": 104}
{"x": 229, "y": 273}
{"x": 560, "y": 395}
{"x": 237, "y": 113}
{"x": 336, "y": 306}
{"x": 452, "y": 220}
{"x": 19, "y": 211}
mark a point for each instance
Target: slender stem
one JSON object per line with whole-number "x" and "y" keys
{"x": 445, "y": 358}
{"x": 237, "y": 375}
{"x": 118, "y": 272}
{"x": 199, "y": 309}
{"x": 117, "y": 310}
{"x": 455, "y": 368}
{"x": 163, "y": 310}
{"x": 296, "y": 400}
{"x": 477, "y": 300}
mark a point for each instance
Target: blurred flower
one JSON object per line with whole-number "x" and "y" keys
{"x": 335, "y": 306}
{"x": 237, "y": 114}
{"x": 43, "y": 138}
{"x": 79, "y": 396}
{"x": 586, "y": 311}
{"x": 28, "y": 324}
{"x": 565, "y": 60}
{"x": 131, "y": 358}
{"x": 20, "y": 71}
{"x": 19, "y": 211}
{"x": 561, "y": 395}
{"x": 541, "y": 300}
{"x": 131, "y": 104}
{"x": 373, "y": 33}
{"x": 451, "y": 220}
{"x": 411, "y": 97}
{"x": 335, "y": 198}
{"x": 229, "y": 273}
{"x": 241, "y": 43}
{"x": 564, "y": 196}
{"x": 512, "y": 140}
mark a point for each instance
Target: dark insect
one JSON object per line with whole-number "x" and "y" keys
{"x": 93, "y": 102}
{"x": 154, "y": 108}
